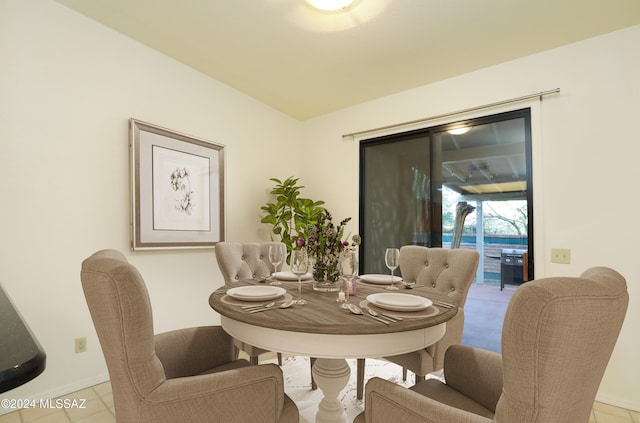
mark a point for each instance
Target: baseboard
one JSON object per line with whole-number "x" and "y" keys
{"x": 617, "y": 402}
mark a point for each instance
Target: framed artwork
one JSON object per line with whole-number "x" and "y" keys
{"x": 177, "y": 193}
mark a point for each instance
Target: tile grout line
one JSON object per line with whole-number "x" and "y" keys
{"x": 104, "y": 403}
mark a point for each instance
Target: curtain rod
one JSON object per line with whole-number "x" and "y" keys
{"x": 459, "y": 112}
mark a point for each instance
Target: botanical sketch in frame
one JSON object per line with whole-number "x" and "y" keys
{"x": 177, "y": 190}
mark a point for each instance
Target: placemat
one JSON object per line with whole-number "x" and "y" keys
{"x": 427, "y": 312}
{"x": 228, "y": 299}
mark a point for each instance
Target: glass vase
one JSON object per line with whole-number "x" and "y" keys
{"x": 326, "y": 277}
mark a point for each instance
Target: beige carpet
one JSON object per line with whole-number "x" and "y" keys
{"x": 297, "y": 379}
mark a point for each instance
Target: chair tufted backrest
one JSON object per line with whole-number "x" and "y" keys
{"x": 448, "y": 271}
{"x": 247, "y": 260}
{"x": 557, "y": 338}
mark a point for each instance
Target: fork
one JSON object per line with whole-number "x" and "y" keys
{"x": 263, "y": 308}
{"x": 257, "y": 306}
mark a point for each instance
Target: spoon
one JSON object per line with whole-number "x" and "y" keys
{"x": 356, "y": 310}
{"x": 385, "y": 316}
{"x": 411, "y": 285}
{"x": 286, "y": 304}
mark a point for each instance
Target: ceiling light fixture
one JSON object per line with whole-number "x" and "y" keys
{"x": 330, "y": 5}
{"x": 459, "y": 131}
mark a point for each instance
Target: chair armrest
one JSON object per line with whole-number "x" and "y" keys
{"x": 188, "y": 352}
{"x": 388, "y": 402}
{"x": 247, "y": 394}
{"x": 475, "y": 373}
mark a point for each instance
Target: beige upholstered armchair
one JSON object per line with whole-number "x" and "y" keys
{"x": 442, "y": 270}
{"x": 188, "y": 375}
{"x": 557, "y": 338}
{"x": 250, "y": 260}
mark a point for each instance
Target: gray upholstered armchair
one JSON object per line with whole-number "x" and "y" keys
{"x": 188, "y": 375}
{"x": 249, "y": 260}
{"x": 557, "y": 338}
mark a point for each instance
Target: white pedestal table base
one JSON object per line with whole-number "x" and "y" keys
{"x": 331, "y": 376}
{"x": 332, "y": 372}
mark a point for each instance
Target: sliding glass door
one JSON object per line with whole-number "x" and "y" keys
{"x": 466, "y": 185}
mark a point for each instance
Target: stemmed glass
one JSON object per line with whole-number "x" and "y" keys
{"x": 276, "y": 256}
{"x": 299, "y": 266}
{"x": 391, "y": 260}
{"x": 348, "y": 271}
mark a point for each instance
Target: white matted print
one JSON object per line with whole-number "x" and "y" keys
{"x": 181, "y": 191}
{"x": 178, "y": 189}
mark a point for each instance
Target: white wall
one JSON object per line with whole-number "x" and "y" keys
{"x": 68, "y": 86}
{"x": 67, "y": 89}
{"x": 585, "y": 156}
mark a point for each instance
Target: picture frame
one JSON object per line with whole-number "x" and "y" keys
{"x": 177, "y": 189}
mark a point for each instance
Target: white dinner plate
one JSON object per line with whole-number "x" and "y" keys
{"x": 289, "y": 276}
{"x": 380, "y": 279}
{"x": 256, "y": 293}
{"x": 399, "y": 302}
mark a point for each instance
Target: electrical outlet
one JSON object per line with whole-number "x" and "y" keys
{"x": 561, "y": 255}
{"x": 81, "y": 345}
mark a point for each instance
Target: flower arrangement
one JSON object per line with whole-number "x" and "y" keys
{"x": 324, "y": 244}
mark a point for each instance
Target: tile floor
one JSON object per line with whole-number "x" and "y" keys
{"x": 99, "y": 409}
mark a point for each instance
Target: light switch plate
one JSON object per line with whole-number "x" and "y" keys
{"x": 561, "y": 255}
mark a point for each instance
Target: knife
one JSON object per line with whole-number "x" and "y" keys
{"x": 379, "y": 319}
{"x": 443, "y": 304}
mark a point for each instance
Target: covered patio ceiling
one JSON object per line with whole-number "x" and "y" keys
{"x": 486, "y": 163}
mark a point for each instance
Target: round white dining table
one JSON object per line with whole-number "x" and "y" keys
{"x": 323, "y": 330}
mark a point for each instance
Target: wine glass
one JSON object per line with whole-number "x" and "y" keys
{"x": 299, "y": 266}
{"x": 391, "y": 260}
{"x": 276, "y": 256}
{"x": 348, "y": 267}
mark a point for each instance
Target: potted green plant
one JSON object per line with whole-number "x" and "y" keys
{"x": 290, "y": 214}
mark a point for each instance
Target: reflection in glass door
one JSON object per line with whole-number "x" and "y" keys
{"x": 397, "y": 204}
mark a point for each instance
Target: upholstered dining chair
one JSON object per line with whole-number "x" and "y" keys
{"x": 187, "y": 375}
{"x": 557, "y": 338}
{"x": 441, "y": 270}
{"x": 249, "y": 260}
